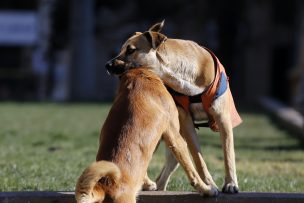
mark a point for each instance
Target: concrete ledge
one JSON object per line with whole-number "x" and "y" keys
{"x": 157, "y": 197}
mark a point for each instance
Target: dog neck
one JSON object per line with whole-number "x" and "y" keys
{"x": 178, "y": 75}
{"x": 179, "y": 83}
{"x": 181, "y": 70}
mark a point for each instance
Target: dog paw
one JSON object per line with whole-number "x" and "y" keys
{"x": 210, "y": 191}
{"x": 230, "y": 188}
{"x": 149, "y": 186}
{"x": 214, "y": 192}
{"x": 209, "y": 181}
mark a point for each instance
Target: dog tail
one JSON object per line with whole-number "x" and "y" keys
{"x": 95, "y": 178}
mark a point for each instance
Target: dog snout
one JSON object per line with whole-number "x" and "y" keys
{"x": 109, "y": 65}
{"x": 115, "y": 66}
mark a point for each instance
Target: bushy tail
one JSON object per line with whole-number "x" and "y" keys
{"x": 86, "y": 183}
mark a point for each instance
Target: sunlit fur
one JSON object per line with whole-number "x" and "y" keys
{"x": 88, "y": 189}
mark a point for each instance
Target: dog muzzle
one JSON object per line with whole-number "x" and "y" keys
{"x": 115, "y": 67}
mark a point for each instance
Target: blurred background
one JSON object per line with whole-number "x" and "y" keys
{"x": 55, "y": 50}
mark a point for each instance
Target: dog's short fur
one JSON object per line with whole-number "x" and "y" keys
{"x": 142, "y": 113}
{"x": 187, "y": 68}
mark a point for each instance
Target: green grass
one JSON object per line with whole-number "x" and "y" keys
{"x": 46, "y": 147}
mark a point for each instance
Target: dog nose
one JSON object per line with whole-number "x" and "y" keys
{"x": 115, "y": 67}
{"x": 109, "y": 64}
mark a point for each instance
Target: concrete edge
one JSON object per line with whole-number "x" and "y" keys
{"x": 157, "y": 196}
{"x": 287, "y": 116}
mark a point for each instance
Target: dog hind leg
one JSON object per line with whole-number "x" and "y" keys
{"x": 220, "y": 111}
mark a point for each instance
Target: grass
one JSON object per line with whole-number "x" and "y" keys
{"x": 46, "y": 147}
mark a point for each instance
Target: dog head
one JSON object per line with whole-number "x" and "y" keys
{"x": 139, "y": 50}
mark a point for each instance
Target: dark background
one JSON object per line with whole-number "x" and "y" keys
{"x": 259, "y": 42}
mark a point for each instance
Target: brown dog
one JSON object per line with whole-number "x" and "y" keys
{"x": 142, "y": 113}
{"x": 191, "y": 70}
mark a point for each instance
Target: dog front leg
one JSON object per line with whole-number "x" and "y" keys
{"x": 220, "y": 111}
{"x": 178, "y": 146}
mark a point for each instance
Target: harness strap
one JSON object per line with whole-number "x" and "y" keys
{"x": 202, "y": 124}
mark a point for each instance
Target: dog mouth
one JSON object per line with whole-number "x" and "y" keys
{"x": 118, "y": 70}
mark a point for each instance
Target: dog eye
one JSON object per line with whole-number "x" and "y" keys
{"x": 130, "y": 49}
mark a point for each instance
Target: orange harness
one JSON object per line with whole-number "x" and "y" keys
{"x": 219, "y": 85}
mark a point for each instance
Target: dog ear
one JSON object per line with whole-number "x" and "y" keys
{"x": 157, "y": 27}
{"x": 137, "y": 33}
{"x": 155, "y": 38}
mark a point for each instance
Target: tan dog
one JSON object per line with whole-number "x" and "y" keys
{"x": 188, "y": 69}
{"x": 142, "y": 113}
